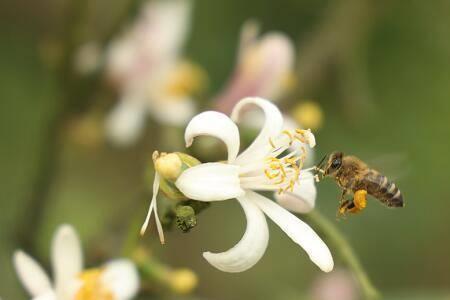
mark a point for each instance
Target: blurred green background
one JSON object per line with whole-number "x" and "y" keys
{"x": 384, "y": 86}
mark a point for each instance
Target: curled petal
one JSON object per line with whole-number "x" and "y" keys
{"x": 273, "y": 125}
{"x": 210, "y": 182}
{"x": 214, "y": 124}
{"x": 31, "y": 274}
{"x": 249, "y": 250}
{"x": 297, "y": 230}
{"x": 121, "y": 277}
{"x": 67, "y": 258}
{"x": 302, "y": 199}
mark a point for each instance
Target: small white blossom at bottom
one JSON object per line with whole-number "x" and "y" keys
{"x": 116, "y": 280}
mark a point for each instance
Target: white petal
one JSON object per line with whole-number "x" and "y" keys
{"x": 67, "y": 259}
{"x": 272, "y": 127}
{"x": 210, "y": 182}
{"x": 277, "y": 52}
{"x": 49, "y": 295}
{"x": 126, "y": 121}
{"x": 249, "y": 36}
{"x": 121, "y": 277}
{"x": 214, "y": 124}
{"x": 176, "y": 112}
{"x": 31, "y": 274}
{"x": 297, "y": 230}
{"x": 163, "y": 26}
{"x": 249, "y": 250}
{"x": 303, "y": 198}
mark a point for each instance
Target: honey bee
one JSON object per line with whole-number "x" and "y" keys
{"x": 355, "y": 176}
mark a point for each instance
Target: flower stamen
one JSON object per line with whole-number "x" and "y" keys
{"x": 92, "y": 287}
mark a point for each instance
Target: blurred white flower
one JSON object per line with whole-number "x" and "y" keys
{"x": 264, "y": 68}
{"x": 145, "y": 64}
{"x": 262, "y": 166}
{"x": 116, "y": 280}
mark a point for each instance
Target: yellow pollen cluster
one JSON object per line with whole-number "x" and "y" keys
{"x": 92, "y": 287}
{"x": 285, "y": 171}
{"x": 186, "y": 79}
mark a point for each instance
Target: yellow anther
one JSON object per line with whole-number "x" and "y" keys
{"x": 301, "y": 138}
{"x": 282, "y": 170}
{"x": 280, "y": 181}
{"x": 271, "y": 143}
{"x": 291, "y": 185}
{"x": 291, "y": 138}
{"x": 271, "y": 176}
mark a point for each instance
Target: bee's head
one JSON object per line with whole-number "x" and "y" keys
{"x": 333, "y": 163}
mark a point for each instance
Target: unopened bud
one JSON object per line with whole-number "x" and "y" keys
{"x": 168, "y": 165}
{"x": 183, "y": 281}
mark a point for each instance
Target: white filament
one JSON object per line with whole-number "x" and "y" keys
{"x": 153, "y": 206}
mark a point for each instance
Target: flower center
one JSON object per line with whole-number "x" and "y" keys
{"x": 285, "y": 171}
{"x": 92, "y": 287}
{"x": 282, "y": 166}
{"x": 187, "y": 79}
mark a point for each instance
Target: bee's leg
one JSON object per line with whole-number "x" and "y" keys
{"x": 359, "y": 201}
{"x": 344, "y": 193}
{"x": 344, "y": 207}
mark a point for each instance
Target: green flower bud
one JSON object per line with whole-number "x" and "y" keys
{"x": 185, "y": 218}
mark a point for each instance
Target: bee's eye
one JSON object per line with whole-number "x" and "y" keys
{"x": 336, "y": 163}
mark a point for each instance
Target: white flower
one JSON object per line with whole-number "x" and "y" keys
{"x": 263, "y": 68}
{"x": 116, "y": 280}
{"x": 145, "y": 64}
{"x": 263, "y": 166}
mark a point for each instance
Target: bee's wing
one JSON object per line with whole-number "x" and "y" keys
{"x": 394, "y": 166}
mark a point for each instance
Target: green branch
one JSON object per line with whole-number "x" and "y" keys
{"x": 345, "y": 251}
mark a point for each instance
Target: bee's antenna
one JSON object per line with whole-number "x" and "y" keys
{"x": 320, "y": 164}
{"x": 319, "y": 169}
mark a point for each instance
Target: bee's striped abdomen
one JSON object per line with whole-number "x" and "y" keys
{"x": 384, "y": 190}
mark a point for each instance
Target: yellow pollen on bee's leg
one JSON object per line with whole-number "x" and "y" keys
{"x": 360, "y": 199}
{"x": 92, "y": 287}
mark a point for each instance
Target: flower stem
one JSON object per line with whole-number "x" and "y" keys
{"x": 340, "y": 243}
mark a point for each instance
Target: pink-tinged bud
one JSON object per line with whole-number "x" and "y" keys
{"x": 337, "y": 285}
{"x": 264, "y": 68}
